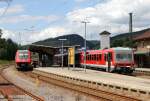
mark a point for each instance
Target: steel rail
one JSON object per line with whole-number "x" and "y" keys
{"x": 97, "y": 93}
{"x": 36, "y": 97}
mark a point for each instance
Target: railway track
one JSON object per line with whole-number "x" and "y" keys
{"x": 11, "y": 91}
{"x": 101, "y": 94}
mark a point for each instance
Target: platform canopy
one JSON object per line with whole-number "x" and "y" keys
{"x": 42, "y": 49}
{"x": 141, "y": 53}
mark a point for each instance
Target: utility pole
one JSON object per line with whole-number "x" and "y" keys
{"x": 85, "y": 23}
{"x": 20, "y": 39}
{"x": 1, "y": 33}
{"x": 30, "y": 30}
{"x": 130, "y": 26}
{"x": 130, "y": 22}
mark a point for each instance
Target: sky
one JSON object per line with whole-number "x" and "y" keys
{"x": 27, "y": 21}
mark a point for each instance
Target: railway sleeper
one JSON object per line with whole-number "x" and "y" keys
{"x": 78, "y": 88}
{"x": 99, "y": 86}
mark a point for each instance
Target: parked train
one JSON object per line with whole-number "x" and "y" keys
{"x": 117, "y": 59}
{"x": 112, "y": 60}
{"x": 23, "y": 59}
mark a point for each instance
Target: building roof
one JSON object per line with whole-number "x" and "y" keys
{"x": 104, "y": 33}
{"x": 141, "y": 53}
{"x": 143, "y": 36}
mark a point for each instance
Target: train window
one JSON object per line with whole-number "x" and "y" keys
{"x": 90, "y": 57}
{"x": 23, "y": 56}
{"x": 95, "y": 57}
{"x": 100, "y": 57}
{"x": 123, "y": 57}
{"x": 86, "y": 57}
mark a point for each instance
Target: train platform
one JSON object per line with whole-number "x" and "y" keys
{"x": 95, "y": 83}
{"x": 101, "y": 77}
{"x": 143, "y": 69}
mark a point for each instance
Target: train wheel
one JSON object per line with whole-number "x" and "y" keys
{"x": 18, "y": 69}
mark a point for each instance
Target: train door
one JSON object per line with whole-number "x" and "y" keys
{"x": 108, "y": 58}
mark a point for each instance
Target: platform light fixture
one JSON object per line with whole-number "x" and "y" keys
{"x": 85, "y": 23}
{"x": 62, "y": 53}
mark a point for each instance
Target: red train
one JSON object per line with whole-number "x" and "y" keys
{"x": 113, "y": 59}
{"x": 23, "y": 59}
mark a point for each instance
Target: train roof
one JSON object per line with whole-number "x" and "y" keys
{"x": 110, "y": 49}
{"x": 22, "y": 50}
{"x": 121, "y": 48}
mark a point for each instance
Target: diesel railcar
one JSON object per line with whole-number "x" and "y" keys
{"x": 112, "y": 60}
{"x": 23, "y": 59}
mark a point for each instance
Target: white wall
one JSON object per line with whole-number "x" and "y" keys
{"x": 105, "y": 41}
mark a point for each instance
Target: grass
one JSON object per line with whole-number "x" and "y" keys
{"x": 4, "y": 62}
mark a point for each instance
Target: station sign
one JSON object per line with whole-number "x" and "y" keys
{"x": 71, "y": 56}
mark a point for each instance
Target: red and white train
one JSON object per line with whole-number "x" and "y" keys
{"x": 114, "y": 59}
{"x": 23, "y": 59}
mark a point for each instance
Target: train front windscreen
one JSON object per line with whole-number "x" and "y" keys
{"x": 23, "y": 55}
{"x": 124, "y": 57}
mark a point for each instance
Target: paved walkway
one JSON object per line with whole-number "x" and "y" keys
{"x": 102, "y": 77}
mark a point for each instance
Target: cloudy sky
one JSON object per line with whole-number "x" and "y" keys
{"x": 32, "y": 20}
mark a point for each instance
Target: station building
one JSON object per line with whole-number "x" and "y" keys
{"x": 142, "y": 52}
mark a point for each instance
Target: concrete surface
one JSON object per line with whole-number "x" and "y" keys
{"x": 102, "y": 77}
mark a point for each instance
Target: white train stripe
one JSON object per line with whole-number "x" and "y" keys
{"x": 99, "y": 66}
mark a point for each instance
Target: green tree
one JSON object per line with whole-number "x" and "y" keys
{"x": 7, "y": 49}
{"x": 117, "y": 43}
{"x": 1, "y": 33}
{"x": 125, "y": 42}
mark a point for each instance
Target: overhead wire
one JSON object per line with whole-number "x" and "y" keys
{"x": 6, "y": 9}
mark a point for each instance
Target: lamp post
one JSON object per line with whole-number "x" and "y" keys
{"x": 85, "y": 22}
{"x": 62, "y": 57}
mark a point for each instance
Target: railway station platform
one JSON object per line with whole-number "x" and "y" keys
{"x": 117, "y": 83}
{"x": 145, "y": 71}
